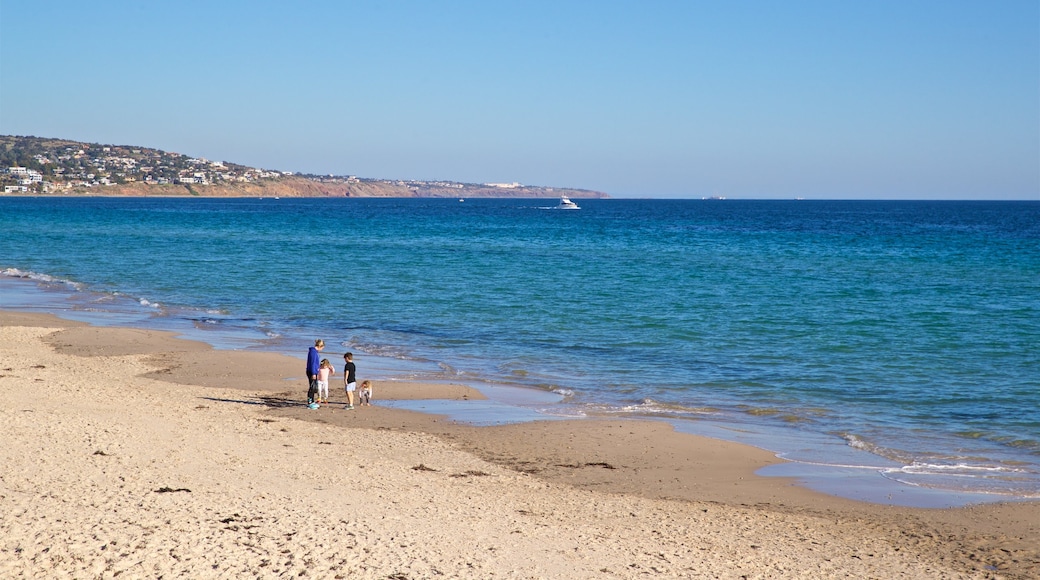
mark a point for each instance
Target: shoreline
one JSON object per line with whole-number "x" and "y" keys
{"x": 626, "y": 461}
{"x": 840, "y": 471}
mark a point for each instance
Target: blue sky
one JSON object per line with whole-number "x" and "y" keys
{"x": 830, "y": 99}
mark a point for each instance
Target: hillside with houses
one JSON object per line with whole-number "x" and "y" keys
{"x": 42, "y": 166}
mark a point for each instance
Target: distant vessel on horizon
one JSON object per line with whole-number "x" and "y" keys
{"x": 566, "y": 203}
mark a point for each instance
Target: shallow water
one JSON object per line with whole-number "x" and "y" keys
{"x": 899, "y": 338}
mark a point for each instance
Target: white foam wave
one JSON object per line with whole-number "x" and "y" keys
{"x": 38, "y": 277}
{"x": 653, "y": 406}
{"x": 963, "y": 469}
{"x": 787, "y": 457}
{"x": 449, "y": 370}
{"x": 895, "y": 455}
{"x": 997, "y": 485}
{"x": 951, "y": 466}
{"x": 857, "y": 443}
{"x": 650, "y": 407}
{"x": 563, "y": 412}
{"x": 384, "y": 351}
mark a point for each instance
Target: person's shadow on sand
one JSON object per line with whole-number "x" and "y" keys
{"x": 279, "y": 402}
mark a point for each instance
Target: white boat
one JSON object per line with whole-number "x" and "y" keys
{"x": 566, "y": 203}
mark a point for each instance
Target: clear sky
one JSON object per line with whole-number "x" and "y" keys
{"x": 746, "y": 99}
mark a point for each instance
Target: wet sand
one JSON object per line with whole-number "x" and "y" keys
{"x": 133, "y": 452}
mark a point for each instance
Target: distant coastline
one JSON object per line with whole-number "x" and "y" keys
{"x": 297, "y": 186}
{"x": 60, "y": 167}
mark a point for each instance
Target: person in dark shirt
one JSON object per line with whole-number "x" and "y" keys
{"x": 349, "y": 378}
{"x": 313, "y": 363}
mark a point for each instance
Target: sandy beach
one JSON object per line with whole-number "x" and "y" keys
{"x": 136, "y": 454}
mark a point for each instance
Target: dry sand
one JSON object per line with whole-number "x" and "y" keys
{"x": 131, "y": 453}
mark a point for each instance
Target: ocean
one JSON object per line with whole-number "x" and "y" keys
{"x": 889, "y": 349}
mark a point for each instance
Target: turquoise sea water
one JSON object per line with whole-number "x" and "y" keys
{"x": 898, "y": 339}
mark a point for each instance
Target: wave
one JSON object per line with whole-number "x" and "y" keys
{"x": 962, "y": 469}
{"x": 782, "y": 414}
{"x": 650, "y": 408}
{"x": 952, "y": 472}
{"x": 967, "y": 478}
{"x": 47, "y": 279}
{"x": 381, "y": 350}
{"x": 857, "y": 442}
{"x": 38, "y": 277}
{"x": 564, "y": 392}
{"x": 789, "y": 458}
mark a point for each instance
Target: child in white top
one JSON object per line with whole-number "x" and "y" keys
{"x": 324, "y": 371}
{"x": 366, "y": 393}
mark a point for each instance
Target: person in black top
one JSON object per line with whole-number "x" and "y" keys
{"x": 349, "y": 378}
